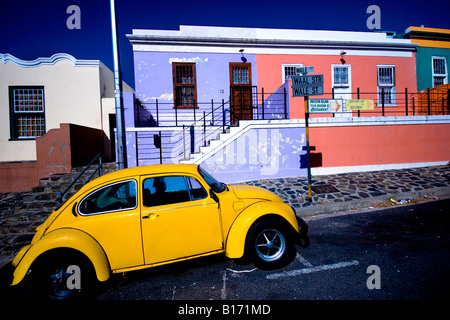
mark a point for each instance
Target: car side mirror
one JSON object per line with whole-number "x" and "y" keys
{"x": 213, "y": 195}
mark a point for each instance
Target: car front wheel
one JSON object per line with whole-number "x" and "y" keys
{"x": 270, "y": 246}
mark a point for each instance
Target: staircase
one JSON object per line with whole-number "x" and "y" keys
{"x": 43, "y": 198}
{"x": 231, "y": 134}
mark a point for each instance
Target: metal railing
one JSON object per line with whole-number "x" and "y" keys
{"x": 389, "y": 103}
{"x": 177, "y": 133}
{"x": 60, "y": 195}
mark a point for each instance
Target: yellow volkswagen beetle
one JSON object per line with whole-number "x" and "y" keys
{"x": 148, "y": 216}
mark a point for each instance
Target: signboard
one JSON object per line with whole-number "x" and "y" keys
{"x": 304, "y": 70}
{"x": 359, "y": 104}
{"x": 306, "y": 81}
{"x": 307, "y": 91}
{"x": 325, "y": 105}
{"x": 310, "y": 85}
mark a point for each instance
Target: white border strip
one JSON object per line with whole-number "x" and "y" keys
{"x": 376, "y": 167}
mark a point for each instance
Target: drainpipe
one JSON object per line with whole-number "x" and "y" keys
{"x": 120, "y": 122}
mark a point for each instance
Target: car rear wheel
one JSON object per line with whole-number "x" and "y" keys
{"x": 63, "y": 275}
{"x": 270, "y": 245}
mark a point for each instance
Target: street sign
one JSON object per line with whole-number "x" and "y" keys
{"x": 306, "y": 81}
{"x": 304, "y": 70}
{"x": 325, "y": 105}
{"x": 360, "y": 104}
{"x": 310, "y": 85}
{"x": 307, "y": 91}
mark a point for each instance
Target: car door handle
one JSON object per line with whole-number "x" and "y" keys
{"x": 151, "y": 216}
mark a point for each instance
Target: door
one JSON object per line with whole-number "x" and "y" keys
{"x": 111, "y": 215}
{"x": 342, "y": 88}
{"x": 179, "y": 219}
{"x": 241, "y": 92}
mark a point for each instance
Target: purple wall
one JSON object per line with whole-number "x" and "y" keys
{"x": 261, "y": 153}
{"x": 153, "y": 78}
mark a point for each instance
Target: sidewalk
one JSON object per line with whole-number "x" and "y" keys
{"x": 361, "y": 190}
{"x": 331, "y": 193}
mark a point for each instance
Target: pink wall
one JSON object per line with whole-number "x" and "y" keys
{"x": 377, "y": 145}
{"x": 363, "y": 74}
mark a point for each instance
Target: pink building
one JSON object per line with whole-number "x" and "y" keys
{"x": 231, "y": 88}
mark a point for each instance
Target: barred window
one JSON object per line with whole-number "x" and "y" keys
{"x": 184, "y": 85}
{"x": 386, "y": 85}
{"x": 240, "y": 74}
{"x": 340, "y": 76}
{"x": 27, "y": 112}
{"x": 289, "y": 70}
{"x": 439, "y": 71}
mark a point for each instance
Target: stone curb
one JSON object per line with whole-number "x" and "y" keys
{"x": 369, "y": 202}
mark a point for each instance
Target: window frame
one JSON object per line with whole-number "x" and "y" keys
{"x": 15, "y": 115}
{"x": 110, "y": 211}
{"x": 177, "y": 85}
{"x": 288, "y": 65}
{"x": 440, "y": 75}
{"x": 187, "y": 184}
{"x": 392, "y": 87}
{"x": 243, "y": 65}
{"x": 349, "y": 76}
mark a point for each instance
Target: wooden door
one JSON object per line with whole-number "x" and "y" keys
{"x": 241, "y": 92}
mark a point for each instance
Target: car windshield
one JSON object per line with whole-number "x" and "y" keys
{"x": 212, "y": 182}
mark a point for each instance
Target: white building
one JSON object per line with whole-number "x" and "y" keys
{"x": 37, "y": 96}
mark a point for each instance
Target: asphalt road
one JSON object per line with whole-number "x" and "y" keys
{"x": 400, "y": 253}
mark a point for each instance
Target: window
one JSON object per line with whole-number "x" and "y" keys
{"x": 439, "y": 71}
{"x": 386, "y": 85}
{"x": 341, "y": 76}
{"x": 27, "y": 112}
{"x": 184, "y": 85}
{"x": 240, "y": 74}
{"x": 114, "y": 197}
{"x": 289, "y": 71}
{"x": 160, "y": 191}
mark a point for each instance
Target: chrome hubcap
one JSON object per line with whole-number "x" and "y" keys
{"x": 270, "y": 245}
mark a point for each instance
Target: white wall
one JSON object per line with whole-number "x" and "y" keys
{"x": 73, "y": 93}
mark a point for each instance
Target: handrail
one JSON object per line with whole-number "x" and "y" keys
{"x": 60, "y": 195}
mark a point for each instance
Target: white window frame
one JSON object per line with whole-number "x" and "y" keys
{"x": 341, "y": 85}
{"x": 439, "y": 75}
{"x": 389, "y": 86}
{"x": 283, "y": 69}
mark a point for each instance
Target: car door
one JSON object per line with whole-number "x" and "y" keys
{"x": 111, "y": 215}
{"x": 179, "y": 219}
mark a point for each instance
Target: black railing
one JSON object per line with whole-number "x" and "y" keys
{"x": 60, "y": 195}
{"x": 255, "y": 105}
{"x": 177, "y": 133}
{"x": 388, "y": 103}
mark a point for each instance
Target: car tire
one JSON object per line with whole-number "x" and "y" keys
{"x": 270, "y": 245}
{"x": 53, "y": 276}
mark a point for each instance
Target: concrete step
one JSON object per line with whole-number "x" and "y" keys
{"x": 44, "y": 196}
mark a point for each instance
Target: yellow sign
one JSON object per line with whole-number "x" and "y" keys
{"x": 359, "y": 104}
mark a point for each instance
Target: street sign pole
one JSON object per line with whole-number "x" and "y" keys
{"x": 304, "y": 85}
{"x": 307, "y": 149}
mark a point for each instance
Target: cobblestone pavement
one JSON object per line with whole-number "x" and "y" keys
{"x": 330, "y": 193}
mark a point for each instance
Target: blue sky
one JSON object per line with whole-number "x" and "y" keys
{"x": 32, "y": 29}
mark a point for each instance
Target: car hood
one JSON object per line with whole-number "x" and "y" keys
{"x": 251, "y": 192}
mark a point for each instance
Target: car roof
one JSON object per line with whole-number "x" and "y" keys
{"x": 144, "y": 170}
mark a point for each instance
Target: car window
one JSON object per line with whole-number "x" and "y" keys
{"x": 114, "y": 197}
{"x": 196, "y": 190}
{"x": 160, "y": 191}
